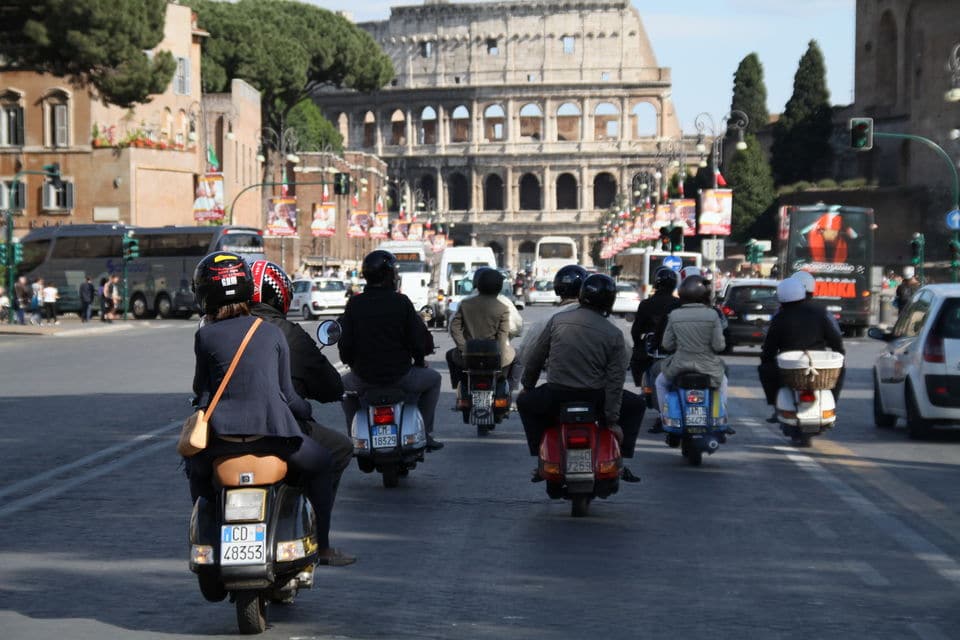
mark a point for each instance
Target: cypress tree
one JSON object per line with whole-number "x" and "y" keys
{"x": 748, "y": 174}
{"x": 750, "y": 93}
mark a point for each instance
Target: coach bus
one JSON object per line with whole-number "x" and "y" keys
{"x": 158, "y": 281}
{"x": 640, "y": 264}
{"x": 552, "y": 253}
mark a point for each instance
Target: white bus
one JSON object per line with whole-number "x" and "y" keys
{"x": 640, "y": 265}
{"x": 552, "y": 253}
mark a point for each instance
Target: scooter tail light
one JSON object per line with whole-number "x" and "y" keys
{"x": 201, "y": 554}
{"x": 829, "y": 413}
{"x": 383, "y": 415}
{"x": 933, "y": 349}
{"x": 501, "y": 403}
{"x": 728, "y": 311}
{"x": 789, "y": 415}
{"x": 550, "y": 470}
{"x": 609, "y": 468}
{"x": 483, "y": 385}
{"x": 808, "y": 396}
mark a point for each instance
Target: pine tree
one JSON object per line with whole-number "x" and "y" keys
{"x": 314, "y": 132}
{"x": 748, "y": 174}
{"x": 750, "y": 93}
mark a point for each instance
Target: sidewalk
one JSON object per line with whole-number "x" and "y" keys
{"x": 70, "y": 325}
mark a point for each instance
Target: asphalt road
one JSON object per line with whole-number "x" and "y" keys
{"x": 856, "y": 537}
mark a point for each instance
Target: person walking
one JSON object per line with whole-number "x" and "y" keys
{"x": 36, "y": 302}
{"x": 86, "y": 299}
{"x": 116, "y": 293}
{"x": 50, "y": 297}
{"x": 106, "y": 301}
{"x": 4, "y": 304}
{"x": 906, "y": 289}
{"x": 21, "y": 298}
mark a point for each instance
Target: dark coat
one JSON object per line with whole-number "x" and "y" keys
{"x": 87, "y": 292}
{"x": 260, "y": 398}
{"x": 800, "y": 325}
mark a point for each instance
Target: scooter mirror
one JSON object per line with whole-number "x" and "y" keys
{"x": 329, "y": 332}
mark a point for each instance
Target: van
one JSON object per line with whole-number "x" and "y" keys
{"x": 456, "y": 262}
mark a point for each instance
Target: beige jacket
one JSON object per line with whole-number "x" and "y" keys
{"x": 695, "y": 334}
{"x": 486, "y": 318}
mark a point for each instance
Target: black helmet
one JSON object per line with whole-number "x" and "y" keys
{"x": 692, "y": 289}
{"x": 568, "y": 281}
{"x": 220, "y": 279}
{"x": 598, "y": 292}
{"x": 665, "y": 280}
{"x": 380, "y": 269}
{"x": 271, "y": 285}
{"x": 488, "y": 281}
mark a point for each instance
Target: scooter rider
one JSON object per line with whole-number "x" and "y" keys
{"x": 797, "y": 326}
{"x": 313, "y": 376}
{"x": 385, "y": 342}
{"x": 588, "y": 361}
{"x": 481, "y": 317}
{"x": 810, "y": 287}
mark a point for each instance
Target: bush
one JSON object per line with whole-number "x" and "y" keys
{"x": 854, "y": 183}
{"x": 827, "y": 183}
{"x": 786, "y": 189}
{"x": 802, "y": 185}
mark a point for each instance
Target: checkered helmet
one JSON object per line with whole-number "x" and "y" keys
{"x": 271, "y": 285}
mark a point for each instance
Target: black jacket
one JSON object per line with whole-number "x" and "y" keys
{"x": 800, "y": 325}
{"x": 313, "y": 375}
{"x": 383, "y": 336}
{"x": 86, "y": 292}
{"x": 651, "y": 317}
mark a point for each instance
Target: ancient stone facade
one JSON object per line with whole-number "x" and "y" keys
{"x": 508, "y": 121}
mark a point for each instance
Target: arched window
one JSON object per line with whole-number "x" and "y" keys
{"x": 604, "y": 190}
{"x": 398, "y": 128}
{"x": 606, "y": 122}
{"x": 530, "y": 199}
{"x": 428, "y": 126}
{"x": 493, "y": 193}
{"x": 531, "y": 122}
{"x": 568, "y": 122}
{"x": 11, "y": 119}
{"x": 886, "y": 60}
{"x": 369, "y": 130}
{"x": 56, "y": 119}
{"x": 644, "y": 116}
{"x": 460, "y": 125}
{"x": 494, "y": 123}
{"x": 167, "y": 132}
{"x": 458, "y": 188}
{"x": 497, "y": 251}
{"x": 183, "y": 124}
{"x": 393, "y": 198}
{"x": 427, "y": 198}
{"x": 567, "y": 192}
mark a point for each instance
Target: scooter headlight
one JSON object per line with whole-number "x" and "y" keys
{"x": 245, "y": 505}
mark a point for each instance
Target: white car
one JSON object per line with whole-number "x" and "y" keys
{"x": 541, "y": 292}
{"x": 320, "y": 296}
{"x": 627, "y": 300}
{"x": 917, "y": 377}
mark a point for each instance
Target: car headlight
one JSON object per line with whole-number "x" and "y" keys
{"x": 245, "y": 505}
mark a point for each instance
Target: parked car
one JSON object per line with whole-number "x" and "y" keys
{"x": 748, "y": 304}
{"x": 917, "y": 377}
{"x": 627, "y": 301}
{"x": 541, "y": 292}
{"x": 320, "y": 296}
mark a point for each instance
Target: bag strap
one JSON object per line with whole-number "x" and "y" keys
{"x": 233, "y": 365}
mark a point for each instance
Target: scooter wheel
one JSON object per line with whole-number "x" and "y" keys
{"x": 579, "y": 506}
{"x": 391, "y": 477}
{"x": 251, "y": 612}
{"x": 694, "y": 457}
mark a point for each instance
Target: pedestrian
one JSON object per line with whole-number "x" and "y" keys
{"x": 50, "y": 297}
{"x": 86, "y": 299}
{"x": 21, "y": 298}
{"x": 116, "y": 293}
{"x": 906, "y": 289}
{"x": 4, "y": 303}
{"x": 106, "y": 301}
{"x": 36, "y": 302}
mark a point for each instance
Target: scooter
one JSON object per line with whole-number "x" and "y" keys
{"x": 578, "y": 459}
{"x": 257, "y": 541}
{"x": 694, "y": 418}
{"x": 648, "y": 386}
{"x": 483, "y": 395}
{"x": 805, "y": 403}
{"x": 388, "y": 434}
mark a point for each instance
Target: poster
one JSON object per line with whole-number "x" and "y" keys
{"x": 381, "y": 227}
{"x": 324, "y": 223}
{"x": 415, "y": 231}
{"x": 360, "y": 224}
{"x": 684, "y": 212}
{"x": 399, "y": 230}
{"x": 716, "y": 212}
{"x": 438, "y": 242}
{"x": 209, "y": 198}
{"x": 281, "y": 218}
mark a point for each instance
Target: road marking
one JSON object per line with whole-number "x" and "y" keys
{"x": 822, "y": 530}
{"x": 865, "y": 571}
{"x": 755, "y": 392}
{"x": 927, "y": 631}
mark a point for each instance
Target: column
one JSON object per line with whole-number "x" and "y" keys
{"x": 548, "y": 191}
{"x": 586, "y": 190}
{"x": 476, "y": 125}
{"x": 510, "y": 259}
{"x": 585, "y": 251}
{"x": 624, "y": 123}
{"x": 511, "y": 133}
{"x": 549, "y": 121}
{"x": 442, "y": 128}
{"x": 476, "y": 190}
{"x": 508, "y": 189}
{"x": 378, "y": 133}
{"x": 441, "y": 199}
{"x": 584, "y": 119}
{"x": 408, "y": 127}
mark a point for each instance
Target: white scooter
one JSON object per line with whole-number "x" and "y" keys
{"x": 805, "y": 402}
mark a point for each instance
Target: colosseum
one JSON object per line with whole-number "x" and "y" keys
{"x": 508, "y": 121}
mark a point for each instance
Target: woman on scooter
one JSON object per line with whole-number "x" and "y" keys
{"x": 259, "y": 408}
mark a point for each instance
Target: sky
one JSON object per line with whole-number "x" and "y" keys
{"x": 703, "y": 41}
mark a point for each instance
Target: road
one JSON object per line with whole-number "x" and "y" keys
{"x": 856, "y": 537}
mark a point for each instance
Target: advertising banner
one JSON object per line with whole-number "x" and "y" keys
{"x": 647, "y": 230}
{"x": 438, "y": 242}
{"x": 324, "y": 224}
{"x": 684, "y": 211}
{"x": 415, "y": 231}
{"x": 399, "y": 230}
{"x": 209, "y": 198}
{"x": 381, "y": 227}
{"x": 360, "y": 224}
{"x": 663, "y": 216}
{"x": 281, "y": 218}
{"x": 716, "y": 212}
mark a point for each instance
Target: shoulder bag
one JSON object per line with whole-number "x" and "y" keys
{"x": 196, "y": 430}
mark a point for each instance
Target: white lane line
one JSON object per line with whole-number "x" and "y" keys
{"x": 822, "y": 530}
{"x": 69, "y": 483}
{"x": 927, "y": 631}
{"x": 865, "y": 571}
{"x": 46, "y": 475}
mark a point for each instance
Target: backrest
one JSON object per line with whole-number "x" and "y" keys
{"x": 577, "y": 413}
{"x": 691, "y": 380}
{"x": 248, "y": 470}
{"x": 380, "y": 396}
{"x": 481, "y": 354}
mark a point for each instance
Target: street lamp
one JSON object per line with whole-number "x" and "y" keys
{"x": 735, "y": 120}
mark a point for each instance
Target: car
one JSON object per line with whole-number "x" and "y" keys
{"x": 463, "y": 288}
{"x": 917, "y": 376}
{"x": 627, "y": 300}
{"x": 541, "y": 292}
{"x": 319, "y": 296}
{"x": 747, "y": 305}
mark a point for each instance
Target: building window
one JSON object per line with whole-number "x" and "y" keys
{"x": 11, "y": 125}
{"x": 456, "y": 79}
{"x": 57, "y": 198}
{"x": 532, "y": 77}
{"x": 426, "y": 49}
{"x": 604, "y": 76}
{"x": 56, "y": 114}
{"x": 568, "y": 44}
{"x": 492, "y": 48}
{"x": 181, "y": 79}
{"x": 13, "y": 199}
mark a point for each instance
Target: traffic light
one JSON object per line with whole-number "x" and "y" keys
{"x": 665, "y": 238}
{"x": 17, "y": 253}
{"x": 53, "y": 172}
{"x": 676, "y": 239}
{"x": 954, "y": 253}
{"x": 754, "y": 251}
{"x": 861, "y": 134}
{"x": 131, "y": 248}
{"x": 341, "y": 184}
{"x": 916, "y": 249}
{"x": 3, "y": 254}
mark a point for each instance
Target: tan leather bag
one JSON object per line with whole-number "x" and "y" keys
{"x": 196, "y": 429}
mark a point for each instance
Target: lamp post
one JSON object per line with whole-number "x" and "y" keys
{"x": 736, "y": 121}
{"x": 327, "y": 155}
{"x": 282, "y": 141}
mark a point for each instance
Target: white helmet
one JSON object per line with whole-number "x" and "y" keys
{"x": 909, "y": 272}
{"x": 686, "y": 272}
{"x": 806, "y": 279}
{"x": 790, "y": 290}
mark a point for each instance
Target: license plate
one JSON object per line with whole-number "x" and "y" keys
{"x": 384, "y": 436}
{"x": 695, "y": 415}
{"x": 751, "y": 317}
{"x": 579, "y": 460}
{"x": 243, "y": 544}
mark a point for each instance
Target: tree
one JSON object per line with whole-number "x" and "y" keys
{"x": 750, "y": 93}
{"x": 801, "y": 138}
{"x": 101, "y": 44}
{"x": 748, "y": 174}
{"x": 314, "y": 132}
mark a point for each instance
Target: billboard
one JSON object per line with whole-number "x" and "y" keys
{"x": 281, "y": 218}
{"x": 324, "y": 223}
{"x": 360, "y": 224}
{"x": 208, "y": 204}
{"x": 716, "y": 212}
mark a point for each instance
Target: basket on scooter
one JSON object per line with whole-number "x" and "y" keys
{"x": 481, "y": 355}
{"x": 810, "y": 370}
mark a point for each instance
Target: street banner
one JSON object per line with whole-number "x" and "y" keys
{"x": 398, "y": 230}
{"x": 324, "y": 224}
{"x": 415, "y": 232}
{"x": 381, "y": 227}
{"x": 360, "y": 224}
{"x": 685, "y": 213}
{"x": 209, "y": 198}
{"x": 438, "y": 242}
{"x": 784, "y": 219}
{"x": 662, "y": 217}
{"x": 647, "y": 230}
{"x": 716, "y": 212}
{"x": 281, "y": 218}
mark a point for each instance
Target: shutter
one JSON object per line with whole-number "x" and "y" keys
{"x": 21, "y": 196}
{"x": 5, "y": 196}
{"x": 49, "y": 196}
{"x": 60, "y": 122}
{"x": 68, "y": 190}
{"x": 18, "y": 114}
{"x": 186, "y": 76}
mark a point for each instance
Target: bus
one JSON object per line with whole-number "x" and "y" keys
{"x": 640, "y": 265}
{"x": 416, "y": 266}
{"x": 552, "y": 253}
{"x": 834, "y": 243}
{"x": 158, "y": 282}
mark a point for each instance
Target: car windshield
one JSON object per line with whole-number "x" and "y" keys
{"x": 948, "y": 324}
{"x": 544, "y": 285}
{"x": 753, "y": 294}
{"x": 331, "y": 285}
{"x": 626, "y": 287}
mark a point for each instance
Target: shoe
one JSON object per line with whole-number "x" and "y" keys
{"x": 657, "y": 427}
{"x": 627, "y": 476}
{"x": 731, "y": 431}
{"x": 433, "y": 445}
{"x": 535, "y": 476}
{"x": 773, "y": 419}
{"x": 335, "y": 558}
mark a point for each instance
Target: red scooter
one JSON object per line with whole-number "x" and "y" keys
{"x": 579, "y": 460}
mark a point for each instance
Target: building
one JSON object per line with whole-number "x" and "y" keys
{"x": 512, "y": 120}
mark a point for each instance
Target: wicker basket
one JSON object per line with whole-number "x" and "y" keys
{"x": 810, "y": 369}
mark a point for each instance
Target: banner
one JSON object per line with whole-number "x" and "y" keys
{"x": 438, "y": 242}
{"x": 684, "y": 212}
{"x": 381, "y": 227}
{"x": 399, "y": 230}
{"x": 663, "y": 217}
{"x": 209, "y": 198}
{"x": 324, "y": 223}
{"x": 360, "y": 224}
{"x": 415, "y": 231}
{"x": 716, "y": 212}
{"x": 281, "y": 218}
{"x": 647, "y": 230}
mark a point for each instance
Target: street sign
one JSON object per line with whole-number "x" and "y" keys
{"x": 673, "y": 262}
{"x": 953, "y": 220}
{"x": 712, "y": 249}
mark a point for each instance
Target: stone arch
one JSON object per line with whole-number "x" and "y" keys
{"x": 568, "y": 122}
{"x": 427, "y": 185}
{"x": 458, "y": 192}
{"x": 398, "y": 127}
{"x": 531, "y": 122}
{"x": 427, "y": 133}
{"x": 369, "y": 130}
{"x": 567, "y": 196}
{"x": 167, "y": 128}
{"x": 530, "y": 195}
{"x": 604, "y": 190}
{"x": 887, "y": 68}
{"x": 606, "y": 121}
{"x": 393, "y": 198}
{"x": 497, "y": 251}
{"x": 460, "y": 124}
{"x": 493, "y": 199}
{"x": 645, "y": 120}
{"x": 525, "y": 255}
{"x": 494, "y": 123}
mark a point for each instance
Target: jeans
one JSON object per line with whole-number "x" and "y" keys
{"x": 423, "y": 381}
{"x": 86, "y": 311}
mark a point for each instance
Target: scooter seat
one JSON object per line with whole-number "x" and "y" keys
{"x": 380, "y": 396}
{"x": 691, "y": 380}
{"x": 239, "y": 471}
{"x": 577, "y": 412}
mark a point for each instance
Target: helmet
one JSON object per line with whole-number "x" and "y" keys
{"x": 568, "y": 281}
{"x": 380, "y": 269}
{"x": 271, "y": 285}
{"x": 806, "y": 279}
{"x": 220, "y": 279}
{"x": 665, "y": 279}
{"x": 598, "y": 292}
{"x": 790, "y": 290}
{"x": 692, "y": 290}
{"x": 909, "y": 272}
{"x": 687, "y": 272}
{"x": 488, "y": 281}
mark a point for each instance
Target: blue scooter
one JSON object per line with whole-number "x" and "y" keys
{"x": 693, "y": 417}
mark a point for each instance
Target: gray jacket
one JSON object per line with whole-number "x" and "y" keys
{"x": 695, "y": 334}
{"x": 586, "y": 351}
